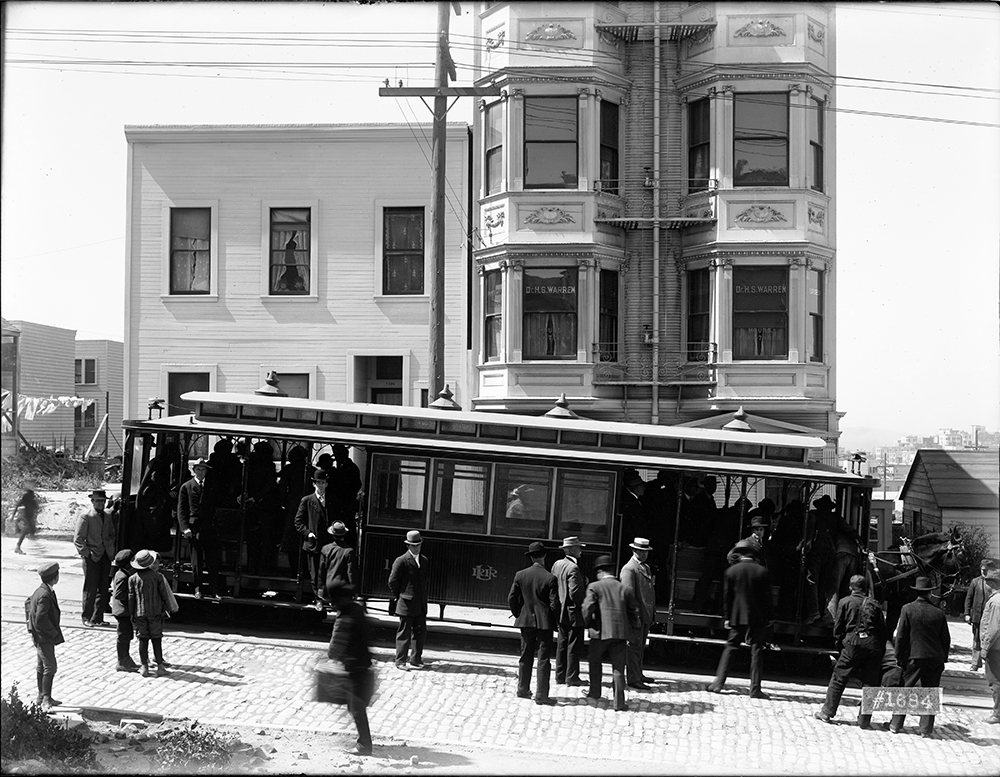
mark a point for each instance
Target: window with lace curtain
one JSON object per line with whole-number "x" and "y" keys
{"x": 550, "y": 313}
{"x": 290, "y": 247}
{"x": 760, "y": 312}
{"x": 403, "y": 250}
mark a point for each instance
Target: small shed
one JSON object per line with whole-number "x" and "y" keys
{"x": 944, "y": 487}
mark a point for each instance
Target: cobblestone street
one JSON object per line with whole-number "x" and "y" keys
{"x": 469, "y": 700}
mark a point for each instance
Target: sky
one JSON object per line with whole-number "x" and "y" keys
{"x": 918, "y": 164}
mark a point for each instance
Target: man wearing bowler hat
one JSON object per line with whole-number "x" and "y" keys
{"x": 922, "y": 645}
{"x": 610, "y": 611}
{"x": 338, "y": 563}
{"x": 534, "y": 603}
{"x": 408, "y": 586}
{"x": 759, "y": 524}
{"x": 637, "y": 578}
{"x": 95, "y": 542}
{"x": 311, "y": 520}
{"x": 572, "y": 588}
{"x": 748, "y": 611}
{"x": 196, "y": 519}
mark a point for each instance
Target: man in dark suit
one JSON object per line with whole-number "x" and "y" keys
{"x": 349, "y": 644}
{"x": 975, "y": 601}
{"x": 408, "y": 585}
{"x": 611, "y": 611}
{"x": 95, "y": 542}
{"x": 196, "y": 518}
{"x": 572, "y": 588}
{"x": 311, "y": 520}
{"x": 922, "y": 645}
{"x": 534, "y": 603}
{"x": 345, "y": 483}
{"x": 42, "y": 611}
{"x": 747, "y": 594}
{"x": 338, "y": 563}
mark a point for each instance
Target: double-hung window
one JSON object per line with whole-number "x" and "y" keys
{"x": 550, "y": 142}
{"x": 86, "y": 370}
{"x": 760, "y": 312}
{"x": 609, "y": 146}
{"x": 814, "y": 305}
{"x": 608, "y": 321}
{"x": 403, "y": 250}
{"x": 550, "y": 311}
{"x": 699, "y": 145}
{"x": 190, "y": 250}
{"x": 816, "y": 121}
{"x": 493, "y": 313}
{"x": 494, "y": 147}
{"x": 290, "y": 259}
{"x": 760, "y": 140}
{"x": 699, "y": 299}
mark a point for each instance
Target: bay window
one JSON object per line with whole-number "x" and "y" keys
{"x": 760, "y": 139}
{"x": 699, "y": 299}
{"x": 760, "y": 312}
{"x": 550, "y": 142}
{"x": 609, "y": 147}
{"x": 816, "y": 122}
{"x": 550, "y": 313}
{"x": 608, "y": 317}
{"x": 814, "y": 306}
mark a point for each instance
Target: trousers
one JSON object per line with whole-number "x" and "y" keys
{"x": 634, "y": 654}
{"x": 925, "y": 672}
{"x": 612, "y": 650}
{"x": 535, "y": 641}
{"x": 412, "y": 630}
{"x": 96, "y": 579}
{"x": 853, "y": 660}
{"x": 755, "y": 635}
{"x": 569, "y": 647}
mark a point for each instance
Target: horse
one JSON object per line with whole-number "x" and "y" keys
{"x": 937, "y": 555}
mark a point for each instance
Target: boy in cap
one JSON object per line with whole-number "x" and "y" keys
{"x": 26, "y": 514}
{"x": 572, "y": 588}
{"x": 121, "y": 610}
{"x": 408, "y": 586}
{"x": 534, "y": 603}
{"x": 42, "y": 611}
{"x": 95, "y": 542}
{"x": 149, "y": 600}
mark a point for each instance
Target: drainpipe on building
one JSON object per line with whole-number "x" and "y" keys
{"x": 655, "y": 411}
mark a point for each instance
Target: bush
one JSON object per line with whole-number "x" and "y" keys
{"x": 976, "y": 543}
{"x": 194, "y": 748}
{"x": 28, "y": 733}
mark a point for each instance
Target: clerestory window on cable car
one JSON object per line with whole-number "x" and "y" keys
{"x": 399, "y": 491}
{"x": 521, "y": 501}
{"x": 584, "y": 505}
{"x": 460, "y": 496}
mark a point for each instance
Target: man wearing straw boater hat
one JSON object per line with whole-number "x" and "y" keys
{"x": 534, "y": 603}
{"x": 637, "y": 578}
{"x": 572, "y": 588}
{"x": 95, "y": 542}
{"x": 922, "y": 645}
{"x": 408, "y": 586}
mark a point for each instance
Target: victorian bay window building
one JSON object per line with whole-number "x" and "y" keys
{"x": 656, "y": 214}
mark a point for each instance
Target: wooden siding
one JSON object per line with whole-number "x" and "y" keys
{"x": 110, "y": 385}
{"x": 47, "y": 354}
{"x": 349, "y": 172}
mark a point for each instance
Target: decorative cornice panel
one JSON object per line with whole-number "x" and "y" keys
{"x": 549, "y": 215}
{"x": 816, "y": 215}
{"x": 759, "y": 28}
{"x": 759, "y": 214}
{"x": 550, "y": 32}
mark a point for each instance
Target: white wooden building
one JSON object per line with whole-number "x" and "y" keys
{"x": 303, "y": 249}
{"x": 100, "y": 376}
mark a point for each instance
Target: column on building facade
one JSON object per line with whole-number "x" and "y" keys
{"x": 798, "y": 134}
{"x": 513, "y": 290}
{"x": 587, "y": 111}
{"x": 797, "y": 310}
{"x": 587, "y": 302}
{"x": 514, "y": 141}
{"x": 721, "y": 272}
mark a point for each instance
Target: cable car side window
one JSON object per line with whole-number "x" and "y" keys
{"x": 521, "y": 501}
{"x": 399, "y": 491}
{"x": 460, "y": 496}
{"x": 584, "y": 500}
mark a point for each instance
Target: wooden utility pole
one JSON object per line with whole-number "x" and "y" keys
{"x": 444, "y": 69}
